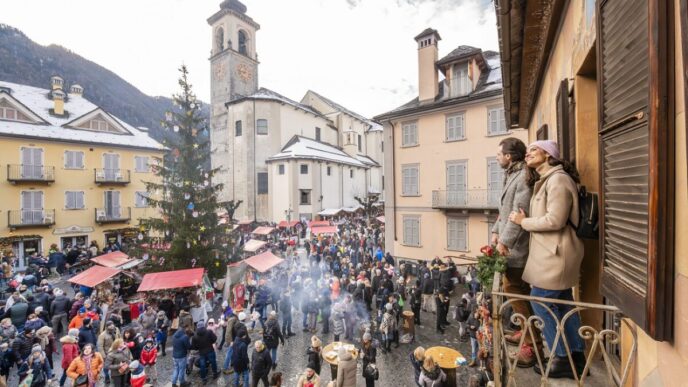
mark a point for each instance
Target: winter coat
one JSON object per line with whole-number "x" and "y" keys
{"x": 78, "y": 366}
{"x": 86, "y": 335}
{"x": 261, "y": 362}
{"x": 138, "y": 377}
{"x": 556, "y": 251}
{"x": 338, "y": 325}
{"x": 369, "y": 355}
{"x": 516, "y": 194}
{"x": 388, "y": 324}
{"x": 272, "y": 334}
{"x": 60, "y": 305}
{"x": 70, "y": 350}
{"x": 147, "y": 321}
{"x": 229, "y": 330}
{"x": 346, "y": 371}
{"x": 105, "y": 341}
{"x": 314, "y": 359}
{"x": 239, "y": 356}
{"x": 303, "y": 380}
{"x": 181, "y": 344}
{"x": 239, "y": 331}
{"x": 434, "y": 378}
{"x": 8, "y": 333}
{"x": 428, "y": 286}
{"x": 74, "y": 310}
{"x": 475, "y": 323}
{"x": 34, "y": 324}
{"x": 114, "y": 358}
{"x": 21, "y": 346}
{"x": 18, "y": 313}
{"x": 149, "y": 355}
{"x": 203, "y": 341}
{"x": 417, "y": 365}
{"x": 39, "y": 367}
{"x": 185, "y": 320}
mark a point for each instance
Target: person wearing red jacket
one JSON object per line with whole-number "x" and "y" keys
{"x": 149, "y": 356}
{"x": 70, "y": 350}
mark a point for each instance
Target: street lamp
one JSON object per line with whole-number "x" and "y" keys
{"x": 287, "y": 213}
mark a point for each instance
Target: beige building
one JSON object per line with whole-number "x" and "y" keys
{"x": 442, "y": 182}
{"x": 70, "y": 172}
{"x": 282, "y": 158}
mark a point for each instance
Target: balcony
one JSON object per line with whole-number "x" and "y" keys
{"x": 473, "y": 199}
{"x": 26, "y": 218}
{"x": 112, "y": 176}
{"x": 603, "y": 364}
{"x": 113, "y": 215}
{"x": 22, "y": 173}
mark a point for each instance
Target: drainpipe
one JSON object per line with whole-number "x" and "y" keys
{"x": 394, "y": 179}
{"x": 255, "y": 178}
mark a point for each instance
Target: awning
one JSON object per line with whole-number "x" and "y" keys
{"x": 253, "y": 245}
{"x": 263, "y": 230}
{"x": 352, "y": 209}
{"x": 112, "y": 259}
{"x": 319, "y": 223}
{"x": 330, "y": 211}
{"x": 130, "y": 264}
{"x": 94, "y": 276}
{"x": 245, "y": 222}
{"x": 381, "y": 219}
{"x": 285, "y": 224}
{"x": 172, "y": 280}
{"x": 324, "y": 230}
{"x": 264, "y": 262}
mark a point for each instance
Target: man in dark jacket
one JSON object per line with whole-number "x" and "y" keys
{"x": 416, "y": 299}
{"x": 285, "y": 306}
{"x": 181, "y": 344}
{"x": 240, "y": 359}
{"x": 59, "y": 309}
{"x": 86, "y": 334}
{"x": 261, "y": 363}
{"x": 21, "y": 346}
{"x": 272, "y": 336}
{"x": 203, "y": 341}
{"x": 427, "y": 290}
{"x": 18, "y": 312}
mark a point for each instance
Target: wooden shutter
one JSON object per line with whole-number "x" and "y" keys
{"x": 542, "y": 133}
{"x": 565, "y": 123}
{"x": 635, "y": 149}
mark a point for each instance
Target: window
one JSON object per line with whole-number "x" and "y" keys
{"x": 351, "y": 173}
{"x": 329, "y": 171}
{"x": 305, "y": 197}
{"x": 280, "y": 169}
{"x": 409, "y": 134}
{"x": 495, "y": 121}
{"x": 566, "y": 122}
{"x": 409, "y": 180}
{"x": 74, "y": 160}
{"x": 411, "y": 230}
{"x": 141, "y": 164}
{"x": 360, "y": 143}
{"x": 242, "y": 43}
{"x": 456, "y": 234}
{"x": 74, "y": 200}
{"x": 219, "y": 40}
{"x": 141, "y": 199}
{"x": 495, "y": 181}
{"x": 237, "y": 128}
{"x": 262, "y": 126}
{"x": 8, "y": 112}
{"x": 454, "y": 128}
{"x": 460, "y": 83}
{"x": 304, "y": 169}
{"x": 317, "y": 134}
{"x": 262, "y": 183}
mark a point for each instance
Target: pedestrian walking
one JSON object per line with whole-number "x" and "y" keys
{"x": 203, "y": 341}
{"x": 368, "y": 356}
{"x": 431, "y": 375}
{"x": 346, "y": 369}
{"x": 70, "y": 351}
{"x": 181, "y": 344}
{"x": 416, "y": 358}
{"x": 59, "y": 310}
{"x": 138, "y": 374}
{"x": 261, "y": 364}
{"x": 473, "y": 324}
{"x": 85, "y": 368}
{"x": 272, "y": 336}
{"x": 86, "y": 334}
{"x": 387, "y": 328}
{"x": 35, "y": 367}
{"x": 105, "y": 340}
{"x": 149, "y": 359}
{"x": 285, "y": 308}
{"x": 162, "y": 325}
{"x": 117, "y": 362}
{"x": 240, "y": 361}
{"x": 314, "y": 354}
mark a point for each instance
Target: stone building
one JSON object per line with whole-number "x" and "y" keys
{"x": 282, "y": 158}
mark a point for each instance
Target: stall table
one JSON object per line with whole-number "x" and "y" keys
{"x": 408, "y": 325}
{"x": 445, "y": 357}
{"x": 329, "y": 354}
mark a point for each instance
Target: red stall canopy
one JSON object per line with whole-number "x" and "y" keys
{"x": 264, "y": 262}
{"x": 112, "y": 259}
{"x": 253, "y": 245}
{"x": 172, "y": 280}
{"x": 318, "y": 223}
{"x": 263, "y": 230}
{"x": 285, "y": 224}
{"x": 324, "y": 230}
{"x": 94, "y": 276}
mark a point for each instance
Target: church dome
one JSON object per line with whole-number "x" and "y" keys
{"x": 234, "y": 5}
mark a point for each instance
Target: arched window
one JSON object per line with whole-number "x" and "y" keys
{"x": 219, "y": 39}
{"x": 242, "y": 43}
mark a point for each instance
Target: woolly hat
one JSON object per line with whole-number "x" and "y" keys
{"x": 73, "y": 332}
{"x": 549, "y": 146}
{"x": 389, "y": 307}
{"x": 242, "y": 316}
{"x": 58, "y": 292}
{"x": 36, "y": 348}
{"x": 315, "y": 342}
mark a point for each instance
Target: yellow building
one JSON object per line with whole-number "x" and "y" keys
{"x": 69, "y": 171}
{"x": 442, "y": 181}
{"x": 607, "y": 80}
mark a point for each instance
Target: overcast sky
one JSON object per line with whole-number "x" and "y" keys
{"x": 359, "y": 53}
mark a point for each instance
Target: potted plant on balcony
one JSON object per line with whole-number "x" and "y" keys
{"x": 489, "y": 263}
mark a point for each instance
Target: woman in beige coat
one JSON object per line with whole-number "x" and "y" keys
{"x": 555, "y": 255}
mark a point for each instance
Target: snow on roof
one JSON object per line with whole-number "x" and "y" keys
{"x": 375, "y": 127}
{"x": 342, "y": 109}
{"x": 36, "y": 99}
{"x": 367, "y": 160}
{"x": 305, "y": 148}
{"x": 269, "y": 95}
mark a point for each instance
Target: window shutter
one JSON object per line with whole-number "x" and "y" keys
{"x": 69, "y": 159}
{"x": 69, "y": 200}
{"x": 565, "y": 132}
{"x": 80, "y": 199}
{"x": 461, "y": 234}
{"x": 636, "y": 199}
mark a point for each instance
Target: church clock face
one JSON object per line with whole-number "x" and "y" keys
{"x": 244, "y": 72}
{"x": 220, "y": 71}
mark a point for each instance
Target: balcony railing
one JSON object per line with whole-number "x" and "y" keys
{"x": 17, "y": 173}
{"x": 467, "y": 199}
{"x": 603, "y": 366}
{"x": 30, "y": 218}
{"x": 113, "y": 215}
{"x": 112, "y": 176}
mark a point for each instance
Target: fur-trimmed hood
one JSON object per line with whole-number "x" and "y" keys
{"x": 67, "y": 339}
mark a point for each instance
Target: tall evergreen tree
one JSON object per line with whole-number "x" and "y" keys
{"x": 186, "y": 197}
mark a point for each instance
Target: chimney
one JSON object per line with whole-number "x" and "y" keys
{"x": 427, "y": 56}
{"x": 56, "y": 82}
{"x": 58, "y": 99}
{"x": 76, "y": 89}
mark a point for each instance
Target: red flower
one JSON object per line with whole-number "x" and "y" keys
{"x": 487, "y": 250}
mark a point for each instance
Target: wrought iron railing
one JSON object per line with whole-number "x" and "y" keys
{"x": 608, "y": 369}
{"x": 112, "y": 176}
{"x": 466, "y": 199}
{"x": 30, "y": 218}
{"x": 113, "y": 214}
{"x": 30, "y": 173}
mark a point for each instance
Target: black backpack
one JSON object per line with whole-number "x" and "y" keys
{"x": 588, "y": 215}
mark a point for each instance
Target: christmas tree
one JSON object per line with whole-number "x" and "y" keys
{"x": 187, "y": 233}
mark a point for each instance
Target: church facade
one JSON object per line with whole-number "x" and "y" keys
{"x": 284, "y": 159}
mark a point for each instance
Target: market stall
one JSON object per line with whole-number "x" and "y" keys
{"x": 253, "y": 246}
{"x": 191, "y": 285}
{"x": 247, "y": 270}
{"x": 291, "y": 224}
{"x": 324, "y": 230}
{"x": 112, "y": 259}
